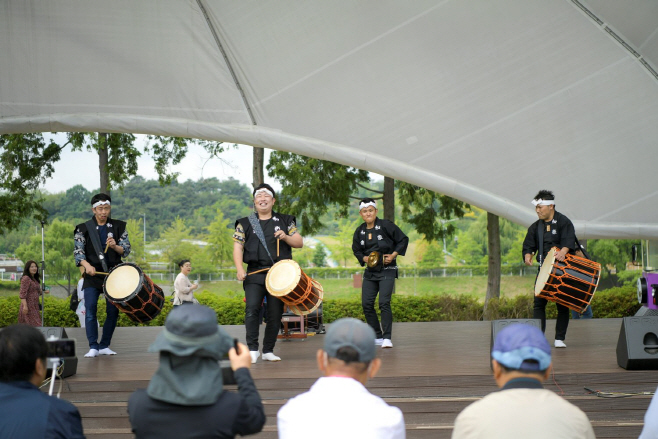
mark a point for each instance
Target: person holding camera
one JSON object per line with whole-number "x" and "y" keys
{"x": 26, "y": 411}
{"x": 377, "y": 243}
{"x": 185, "y": 397}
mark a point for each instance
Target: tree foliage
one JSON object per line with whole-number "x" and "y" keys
{"x": 27, "y": 161}
{"x": 311, "y": 186}
{"x": 58, "y": 246}
{"x": 425, "y": 210}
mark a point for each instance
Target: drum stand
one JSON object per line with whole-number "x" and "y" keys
{"x": 289, "y": 317}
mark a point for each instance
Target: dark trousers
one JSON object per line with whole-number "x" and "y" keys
{"x": 254, "y": 293}
{"x": 369, "y": 291}
{"x": 91, "y": 307}
{"x": 539, "y": 312}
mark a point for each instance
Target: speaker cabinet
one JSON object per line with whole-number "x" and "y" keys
{"x": 70, "y": 364}
{"x": 637, "y": 347}
{"x": 498, "y": 325}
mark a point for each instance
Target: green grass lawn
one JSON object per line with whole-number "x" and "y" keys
{"x": 343, "y": 288}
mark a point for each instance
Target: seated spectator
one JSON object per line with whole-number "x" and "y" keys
{"x": 522, "y": 408}
{"x": 347, "y": 362}
{"x": 650, "y": 430}
{"x": 25, "y": 411}
{"x": 185, "y": 397}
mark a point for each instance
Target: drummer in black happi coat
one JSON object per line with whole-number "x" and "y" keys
{"x": 556, "y": 230}
{"x": 377, "y": 243}
{"x": 111, "y": 244}
{"x": 255, "y": 243}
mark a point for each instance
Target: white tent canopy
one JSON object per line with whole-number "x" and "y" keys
{"x": 487, "y": 101}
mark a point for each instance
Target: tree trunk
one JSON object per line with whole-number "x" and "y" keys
{"x": 389, "y": 199}
{"x": 103, "y": 162}
{"x": 493, "y": 279}
{"x": 259, "y": 158}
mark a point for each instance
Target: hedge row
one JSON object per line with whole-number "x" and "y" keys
{"x": 615, "y": 302}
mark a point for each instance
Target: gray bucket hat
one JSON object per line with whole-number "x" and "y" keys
{"x": 190, "y": 348}
{"x": 193, "y": 330}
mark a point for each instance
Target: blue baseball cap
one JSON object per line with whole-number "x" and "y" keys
{"x": 522, "y": 347}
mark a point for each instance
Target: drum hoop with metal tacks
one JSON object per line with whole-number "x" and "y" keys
{"x": 283, "y": 277}
{"x": 123, "y": 277}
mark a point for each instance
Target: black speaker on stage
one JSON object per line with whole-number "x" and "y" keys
{"x": 498, "y": 325}
{"x": 637, "y": 347}
{"x": 70, "y": 364}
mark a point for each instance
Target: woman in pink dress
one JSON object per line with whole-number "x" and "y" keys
{"x": 29, "y": 294}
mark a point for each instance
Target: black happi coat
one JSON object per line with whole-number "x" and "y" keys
{"x": 392, "y": 239}
{"x": 251, "y": 241}
{"x": 561, "y": 234}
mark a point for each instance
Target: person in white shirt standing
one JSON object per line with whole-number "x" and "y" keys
{"x": 347, "y": 362}
{"x": 183, "y": 288}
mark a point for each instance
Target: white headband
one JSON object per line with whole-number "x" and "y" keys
{"x": 364, "y": 205}
{"x": 540, "y": 202}
{"x": 100, "y": 203}
{"x": 267, "y": 191}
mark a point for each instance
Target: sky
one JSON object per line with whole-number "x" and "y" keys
{"x": 82, "y": 167}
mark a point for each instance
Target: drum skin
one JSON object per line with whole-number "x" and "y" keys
{"x": 287, "y": 281}
{"x": 571, "y": 283}
{"x": 132, "y": 291}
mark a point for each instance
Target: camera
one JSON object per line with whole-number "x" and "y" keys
{"x": 62, "y": 348}
{"x": 228, "y": 377}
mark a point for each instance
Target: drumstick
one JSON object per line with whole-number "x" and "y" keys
{"x": 277, "y": 247}
{"x": 109, "y": 235}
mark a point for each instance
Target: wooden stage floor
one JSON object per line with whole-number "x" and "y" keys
{"x": 433, "y": 372}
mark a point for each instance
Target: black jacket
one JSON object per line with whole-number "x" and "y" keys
{"x": 251, "y": 241}
{"x": 392, "y": 239}
{"x": 561, "y": 234}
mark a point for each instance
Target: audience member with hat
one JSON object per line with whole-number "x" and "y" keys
{"x": 521, "y": 360}
{"x": 347, "y": 361}
{"x": 185, "y": 397}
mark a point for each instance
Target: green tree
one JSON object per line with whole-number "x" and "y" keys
{"x": 343, "y": 250}
{"x": 319, "y": 255}
{"x": 58, "y": 245}
{"x": 175, "y": 242}
{"x": 220, "y": 248}
{"x": 303, "y": 256}
{"x": 430, "y": 254}
{"x": 135, "y": 229}
{"x": 28, "y": 162}
{"x": 425, "y": 209}
{"x": 310, "y": 186}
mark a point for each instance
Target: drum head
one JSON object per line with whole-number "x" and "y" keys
{"x": 122, "y": 281}
{"x": 545, "y": 271}
{"x": 283, "y": 277}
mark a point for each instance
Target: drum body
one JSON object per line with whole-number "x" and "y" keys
{"x": 571, "y": 283}
{"x": 287, "y": 281}
{"x": 133, "y": 292}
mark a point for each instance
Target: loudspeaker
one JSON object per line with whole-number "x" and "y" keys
{"x": 70, "y": 364}
{"x": 498, "y": 325}
{"x": 637, "y": 348}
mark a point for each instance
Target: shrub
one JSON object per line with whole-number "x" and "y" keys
{"x": 615, "y": 302}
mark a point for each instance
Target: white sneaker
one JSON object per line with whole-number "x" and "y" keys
{"x": 560, "y": 344}
{"x": 92, "y": 353}
{"x": 387, "y": 343}
{"x": 271, "y": 357}
{"x": 379, "y": 341}
{"x": 254, "y": 356}
{"x": 107, "y": 351}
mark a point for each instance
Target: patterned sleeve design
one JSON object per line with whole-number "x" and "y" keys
{"x": 125, "y": 243}
{"x": 292, "y": 227}
{"x": 238, "y": 235}
{"x": 79, "y": 247}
